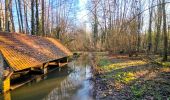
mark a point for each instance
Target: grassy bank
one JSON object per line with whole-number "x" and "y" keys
{"x": 125, "y": 78}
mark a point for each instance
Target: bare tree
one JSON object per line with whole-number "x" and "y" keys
{"x": 18, "y": 17}
{"x": 26, "y": 18}
{"x": 150, "y": 27}
{"x": 11, "y": 15}
{"x": 42, "y": 17}
{"x": 7, "y": 15}
{"x": 158, "y": 25}
{"x": 20, "y": 14}
{"x": 37, "y": 18}
{"x": 165, "y": 53}
{"x": 95, "y": 21}
{"x": 32, "y": 18}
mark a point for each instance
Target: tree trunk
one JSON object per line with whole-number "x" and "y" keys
{"x": 159, "y": 22}
{"x": 95, "y": 26}
{"x": 32, "y": 18}
{"x": 19, "y": 23}
{"x": 1, "y": 27}
{"x": 37, "y": 18}
{"x": 43, "y": 33}
{"x": 20, "y": 14}
{"x": 11, "y": 16}
{"x": 6, "y": 15}
{"x": 139, "y": 21}
{"x": 150, "y": 29}
{"x": 165, "y": 33}
{"x": 26, "y": 19}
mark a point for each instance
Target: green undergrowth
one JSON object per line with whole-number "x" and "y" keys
{"x": 137, "y": 79}
{"x": 121, "y": 77}
{"x": 164, "y": 64}
{"x": 104, "y": 62}
{"x": 124, "y": 77}
{"x": 107, "y": 66}
{"x": 149, "y": 89}
{"x": 138, "y": 91}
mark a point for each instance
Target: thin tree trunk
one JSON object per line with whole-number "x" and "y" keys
{"x": 48, "y": 19}
{"x": 43, "y": 33}
{"x": 20, "y": 13}
{"x": 11, "y": 16}
{"x": 150, "y": 29}
{"x": 26, "y": 19}
{"x": 139, "y": 27}
{"x": 165, "y": 33}
{"x": 6, "y": 15}
{"x": 95, "y": 26}
{"x": 37, "y": 18}
{"x": 32, "y": 18}
{"x": 159, "y": 22}
{"x": 18, "y": 17}
{"x": 1, "y": 16}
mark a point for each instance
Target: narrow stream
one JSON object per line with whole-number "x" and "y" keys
{"x": 68, "y": 83}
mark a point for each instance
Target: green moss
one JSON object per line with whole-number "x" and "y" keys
{"x": 104, "y": 62}
{"x": 166, "y": 64}
{"x": 107, "y": 66}
{"x": 138, "y": 91}
{"x": 108, "y": 76}
{"x": 124, "y": 77}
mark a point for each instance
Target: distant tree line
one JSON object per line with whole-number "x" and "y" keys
{"x": 120, "y": 25}
{"x": 116, "y": 25}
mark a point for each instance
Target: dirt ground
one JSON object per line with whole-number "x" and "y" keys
{"x": 122, "y": 78}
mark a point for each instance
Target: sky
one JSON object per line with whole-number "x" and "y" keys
{"x": 82, "y": 15}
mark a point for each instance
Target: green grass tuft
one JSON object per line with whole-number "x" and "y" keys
{"x": 104, "y": 62}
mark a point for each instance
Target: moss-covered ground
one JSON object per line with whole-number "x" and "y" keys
{"x": 134, "y": 79}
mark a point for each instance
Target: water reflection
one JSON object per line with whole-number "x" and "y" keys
{"x": 69, "y": 83}
{"x": 77, "y": 85}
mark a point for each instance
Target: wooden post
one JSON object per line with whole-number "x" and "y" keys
{"x": 67, "y": 60}
{"x": 6, "y": 85}
{"x": 6, "y": 81}
{"x": 7, "y": 96}
{"x": 59, "y": 64}
{"x": 45, "y": 69}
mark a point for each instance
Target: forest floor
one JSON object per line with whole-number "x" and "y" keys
{"x": 119, "y": 77}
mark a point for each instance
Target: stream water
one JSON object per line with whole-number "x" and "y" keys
{"x": 68, "y": 83}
